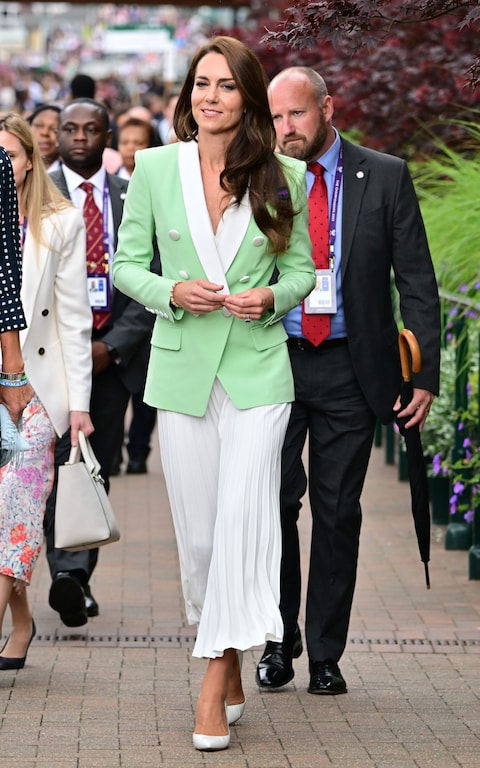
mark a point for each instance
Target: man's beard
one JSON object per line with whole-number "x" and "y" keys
{"x": 307, "y": 150}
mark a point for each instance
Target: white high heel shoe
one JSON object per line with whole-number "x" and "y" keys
{"x": 210, "y": 743}
{"x": 234, "y": 712}
{"x": 205, "y": 743}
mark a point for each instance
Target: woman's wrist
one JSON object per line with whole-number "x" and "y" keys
{"x": 17, "y": 376}
{"x": 12, "y": 360}
{"x": 173, "y": 303}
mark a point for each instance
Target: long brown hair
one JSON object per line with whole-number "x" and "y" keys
{"x": 250, "y": 161}
{"x": 40, "y": 197}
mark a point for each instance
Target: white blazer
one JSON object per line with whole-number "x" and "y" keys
{"x": 56, "y": 345}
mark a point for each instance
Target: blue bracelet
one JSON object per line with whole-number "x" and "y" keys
{"x": 5, "y": 383}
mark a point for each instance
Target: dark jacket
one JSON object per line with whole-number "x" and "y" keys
{"x": 382, "y": 230}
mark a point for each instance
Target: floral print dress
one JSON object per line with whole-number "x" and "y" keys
{"x": 24, "y": 488}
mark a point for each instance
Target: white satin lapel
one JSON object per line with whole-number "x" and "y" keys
{"x": 234, "y": 227}
{"x": 197, "y": 214}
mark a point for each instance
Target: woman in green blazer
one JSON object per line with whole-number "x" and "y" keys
{"x": 227, "y": 214}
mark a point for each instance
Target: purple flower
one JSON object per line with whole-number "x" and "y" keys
{"x": 466, "y": 442}
{"x": 460, "y": 426}
{"x": 468, "y": 516}
{"x": 437, "y": 463}
{"x": 458, "y": 488}
{"x": 463, "y": 288}
{"x": 477, "y": 285}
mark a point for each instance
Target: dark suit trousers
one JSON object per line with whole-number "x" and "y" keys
{"x": 331, "y": 409}
{"x": 141, "y": 427}
{"x": 107, "y": 410}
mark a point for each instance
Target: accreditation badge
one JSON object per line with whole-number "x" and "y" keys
{"x": 323, "y": 299}
{"x": 99, "y": 292}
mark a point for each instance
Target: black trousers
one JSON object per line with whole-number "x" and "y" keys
{"x": 107, "y": 410}
{"x": 142, "y": 425}
{"x": 331, "y": 409}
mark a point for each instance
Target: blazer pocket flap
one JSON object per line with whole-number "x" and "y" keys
{"x": 166, "y": 335}
{"x": 265, "y": 337}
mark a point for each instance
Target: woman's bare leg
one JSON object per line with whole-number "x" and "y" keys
{"x": 20, "y": 636}
{"x": 6, "y": 586}
{"x": 235, "y": 694}
{"x": 211, "y": 714}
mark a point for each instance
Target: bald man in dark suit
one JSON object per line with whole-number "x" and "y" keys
{"x": 350, "y": 379}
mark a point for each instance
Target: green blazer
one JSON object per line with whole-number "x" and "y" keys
{"x": 165, "y": 198}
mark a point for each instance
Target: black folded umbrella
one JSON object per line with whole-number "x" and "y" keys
{"x": 411, "y": 360}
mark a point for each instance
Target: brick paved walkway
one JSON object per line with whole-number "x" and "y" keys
{"x": 121, "y": 694}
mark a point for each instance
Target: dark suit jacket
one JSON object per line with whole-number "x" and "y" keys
{"x": 382, "y": 229}
{"x": 132, "y": 325}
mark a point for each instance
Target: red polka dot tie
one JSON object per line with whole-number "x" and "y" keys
{"x": 316, "y": 328}
{"x": 97, "y": 263}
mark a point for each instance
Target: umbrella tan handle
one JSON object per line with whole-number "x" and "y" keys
{"x": 408, "y": 344}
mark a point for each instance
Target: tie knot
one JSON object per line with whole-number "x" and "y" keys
{"x": 316, "y": 169}
{"x": 87, "y": 187}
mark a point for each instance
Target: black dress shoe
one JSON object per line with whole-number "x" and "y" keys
{"x": 137, "y": 467}
{"x": 90, "y": 602}
{"x": 326, "y": 678}
{"x": 275, "y": 667}
{"x": 68, "y": 598}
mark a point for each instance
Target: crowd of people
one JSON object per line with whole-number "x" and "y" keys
{"x": 228, "y": 264}
{"x": 76, "y": 39}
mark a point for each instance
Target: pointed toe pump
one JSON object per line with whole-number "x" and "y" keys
{"x": 234, "y": 712}
{"x": 16, "y": 662}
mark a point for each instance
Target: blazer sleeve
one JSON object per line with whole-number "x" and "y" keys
{"x": 11, "y": 310}
{"x": 132, "y": 324}
{"x": 132, "y": 267}
{"x": 415, "y": 280}
{"x": 296, "y": 271}
{"x": 74, "y": 315}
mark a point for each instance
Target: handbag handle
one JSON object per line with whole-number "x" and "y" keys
{"x": 85, "y": 450}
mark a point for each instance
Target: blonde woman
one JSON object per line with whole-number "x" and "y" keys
{"x": 57, "y": 356}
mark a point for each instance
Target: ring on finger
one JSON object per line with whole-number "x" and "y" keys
{"x": 248, "y": 319}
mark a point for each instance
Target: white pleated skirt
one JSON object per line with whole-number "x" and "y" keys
{"x": 222, "y": 473}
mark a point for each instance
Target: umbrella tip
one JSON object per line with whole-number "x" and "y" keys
{"x": 427, "y": 576}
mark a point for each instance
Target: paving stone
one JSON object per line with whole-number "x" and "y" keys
{"x": 121, "y": 691}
